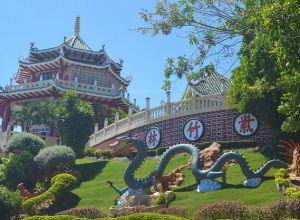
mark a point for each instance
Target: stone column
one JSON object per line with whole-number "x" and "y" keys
{"x": 105, "y": 122}
{"x": 129, "y": 116}
{"x": 128, "y": 96}
{"x": 6, "y": 117}
{"x": 168, "y": 104}
{"x": 122, "y": 91}
{"x": 147, "y": 110}
{"x": 96, "y": 127}
{"x": 105, "y": 125}
{"x": 117, "y": 117}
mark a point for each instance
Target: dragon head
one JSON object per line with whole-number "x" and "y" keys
{"x": 124, "y": 146}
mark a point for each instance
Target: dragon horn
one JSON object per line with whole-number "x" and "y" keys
{"x": 287, "y": 143}
{"x": 285, "y": 147}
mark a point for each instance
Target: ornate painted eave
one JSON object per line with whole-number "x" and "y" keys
{"x": 26, "y": 67}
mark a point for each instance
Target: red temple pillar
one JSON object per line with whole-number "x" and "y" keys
{"x": 6, "y": 117}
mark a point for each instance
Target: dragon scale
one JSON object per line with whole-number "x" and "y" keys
{"x": 211, "y": 173}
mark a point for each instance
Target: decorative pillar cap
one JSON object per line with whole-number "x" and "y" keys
{"x": 77, "y": 26}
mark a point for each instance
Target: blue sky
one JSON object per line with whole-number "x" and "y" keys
{"x": 102, "y": 22}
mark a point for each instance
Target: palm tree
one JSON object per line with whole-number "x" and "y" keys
{"x": 37, "y": 112}
{"x": 24, "y": 116}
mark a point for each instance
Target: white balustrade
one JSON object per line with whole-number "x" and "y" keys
{"x": 33, "y": 85}
{"x": 65, "y": 84}
{"x": 137, "y": 118}
{"x": 157, "y": 112}
{"x": 169, "y": 110}
{"x": 123, "y": 123}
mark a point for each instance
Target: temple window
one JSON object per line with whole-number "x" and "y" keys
{"x": 41, "y": 131}
{"x": 48, "y": 75}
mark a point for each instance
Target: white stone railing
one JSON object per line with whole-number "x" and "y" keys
{"x": 64, "y": 84}
{"x": 168, "y": 111}
{"x": 33, "y": 85}
{"x": 87, "y": 88}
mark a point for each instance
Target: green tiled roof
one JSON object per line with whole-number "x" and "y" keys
{"x": 211, "y": 84}
{"x": 76, "y": 42}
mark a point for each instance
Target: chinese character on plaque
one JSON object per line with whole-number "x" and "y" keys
{"x": 153, "y": 137}
{"x": 193, "y": 130}
{"x": 246, "y": 124}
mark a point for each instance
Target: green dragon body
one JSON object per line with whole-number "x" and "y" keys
{"x": 212, "y": 173}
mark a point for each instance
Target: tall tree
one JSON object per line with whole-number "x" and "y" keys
{"x": 213, "y": 27}
{"x": 74, "y": 121}
{"x": 267, "y": 80}
{"x": 281, "y": 20}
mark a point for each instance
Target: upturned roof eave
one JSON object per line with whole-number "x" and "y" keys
{"x": 124, "y": 81}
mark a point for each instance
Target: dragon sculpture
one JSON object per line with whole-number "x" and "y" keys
{"x": 215, "y": 171}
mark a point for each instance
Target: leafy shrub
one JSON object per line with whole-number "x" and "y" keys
{"x": 90, "y": 151}
{"x": 90, "y": 213}
{"x": 149, "y": 216}
{"x": 20, "y": 169}
{"x": 282, "y": 177}
{"x": 94, "y": 152}
{"x": 270, "y": 151}
{"x": 151, "y": 153}
{"x": 161, "y": 199}
{"x": 292, "y": 192}
{"x": 10, "y": 203}
{"x": 176, "y": 211}
{"x": 263, "y": 213}
{"x": 60, "y": 185}
{"x": 138, "y": 216}
{"x": 281, "y": 209}
{"x": 55, "y": 157}
{"x": 103, "y": 153}
{"x": 132, "y": 210}
{"x": 223, "y": 210}
{"x": 229, "y": 144}
{"x": 161, "y": 150}
{"x": 292, "y": 208}
{"x": 3, "y": 163}
{"x": 25, "y": 142}
{"x": 61, "y": 217}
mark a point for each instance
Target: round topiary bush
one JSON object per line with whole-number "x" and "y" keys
{"x": 10, "y": 203}
{"x": 25, "y": 142}
{"x": 51, "y": 158}
{"x": 20, "y": 169}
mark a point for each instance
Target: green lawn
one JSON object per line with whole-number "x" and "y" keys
{"x": 94, "y": 192}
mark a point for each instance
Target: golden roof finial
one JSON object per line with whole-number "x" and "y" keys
{"x": 77, "y": 26}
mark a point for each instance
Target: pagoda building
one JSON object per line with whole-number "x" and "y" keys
{"x": 49, "y": 73}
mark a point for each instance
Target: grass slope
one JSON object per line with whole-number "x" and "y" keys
{"x": 94, "y": 192}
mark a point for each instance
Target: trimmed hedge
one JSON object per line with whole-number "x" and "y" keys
{"x": 25, "y": 142}
{"x": 60, "y": 185}
{"x": 281, "y": 209}
{"x": 138, "y": 216}
{"x": 223, "y": 210}
{"x": 10, "y": 203}
{"x": 90, "y": 213}
{"x": 99, "y": 153}
{"x": 54, "y": 157}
